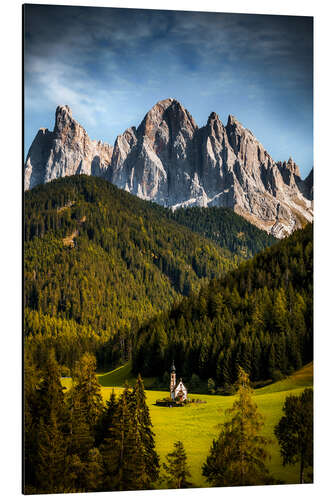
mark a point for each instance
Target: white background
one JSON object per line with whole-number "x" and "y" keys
{"x": 11, "y": 257}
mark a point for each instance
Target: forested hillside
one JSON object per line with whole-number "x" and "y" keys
{"x": 100, "y": 261}
{"x": 258, "y": 316}
{"x": 226, "y": 228}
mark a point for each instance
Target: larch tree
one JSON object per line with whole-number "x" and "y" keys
{"x": 238, "y": 456}
{"x": 177, "y": 473}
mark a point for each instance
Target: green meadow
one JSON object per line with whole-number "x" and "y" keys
{"x": 197, "y": 424}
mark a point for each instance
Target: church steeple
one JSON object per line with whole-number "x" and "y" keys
{"x": 172, "y": 379}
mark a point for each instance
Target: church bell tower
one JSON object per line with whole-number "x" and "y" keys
{"x": 172, "y": 379}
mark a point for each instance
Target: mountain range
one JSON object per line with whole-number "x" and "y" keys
{"x": 168, "y": 159}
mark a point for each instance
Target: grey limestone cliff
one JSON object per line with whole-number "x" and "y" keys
{"x": 168, "y": 159}
{"x": 67, "y": 150}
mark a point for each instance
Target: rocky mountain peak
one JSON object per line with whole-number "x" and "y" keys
{"x": 215, "y": 128}
{"x": 165, "y": 117}
{"x": 294, "y": 169}
{"x": 290, "y": 173}
{"x": 232, "y": 120}
{"x": 212, "y": 117}
{"x": 65, "y": 127}
{"x": 234, "y": 126}
{"x": 63, "y": 116}
{"x": 309, "y": 185}
{"x": 67, "y": 150}
{"x": 169, "y": 160}
{"x": 63, "y": 109}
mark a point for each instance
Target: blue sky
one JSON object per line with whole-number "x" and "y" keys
{"x": 112, "y": 65}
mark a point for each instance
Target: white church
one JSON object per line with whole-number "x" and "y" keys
{"x": 176, "y": 390}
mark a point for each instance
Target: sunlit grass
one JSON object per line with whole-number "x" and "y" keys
{"x": 122, "y": 374}
{"x": 301, "y": 378}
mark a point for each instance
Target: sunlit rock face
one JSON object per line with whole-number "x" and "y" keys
{"x": 67, "y": 150}
{"x": 168, "y": 159}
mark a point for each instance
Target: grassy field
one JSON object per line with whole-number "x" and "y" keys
{"x": 122, "y": 374}
{"x": 197, "y": 424}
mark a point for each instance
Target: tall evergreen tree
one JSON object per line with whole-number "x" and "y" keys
{"x": 94, "y": 471}
{"x": 87, "y": 390}
{"x": 295, "y": 431}
{"x": 238, "y": 456}
{"x": 177, "y": 473}
{"x": 106, "y": 419}
{"x": 46, "y": 427}
{"x": 80, "y": 436}
{"x": 31, "y": 421}
{"x": 74, "y": 476}
{"x": 51, "y": 456}
{"x": 50, "y": 393}
{"x": 122, "y": 452}
{"x": 146, "y": 433}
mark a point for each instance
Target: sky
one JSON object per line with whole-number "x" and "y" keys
{"x": 112, "y": 65}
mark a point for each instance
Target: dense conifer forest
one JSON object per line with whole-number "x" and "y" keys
{"x": 259, "y": 317}
{"x": 75, "y": 443}
{"x": 99, "y": 262}
{"x": 226, "y": 228}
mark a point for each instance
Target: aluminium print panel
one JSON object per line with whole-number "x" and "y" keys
{"x": 168, "y": 249}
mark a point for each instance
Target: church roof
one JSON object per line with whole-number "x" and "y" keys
{"x": 173, "y": 368}
{"x": 180, "y": 384}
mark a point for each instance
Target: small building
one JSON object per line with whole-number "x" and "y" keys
{"x": 176, "y": 390}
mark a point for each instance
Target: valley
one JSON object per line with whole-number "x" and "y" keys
{"x": 132, "y": 285}
{"x": 197, "y": 424}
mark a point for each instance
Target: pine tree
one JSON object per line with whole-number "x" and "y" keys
{"x": 50, "y": 393}
{"x": 80, "y": 437}
{"x": 106, "y": 419}
{"x": 211, "y": 386}
{"x": 94, "y": 471}
{"x": 146, "y": 434}
{"x": 74, "y": 478}
{"x": 51, "y": 456}
{"x": 237, "y": 457}
{"x": 87, "y": 389}
{"x": 177, "y": 472}
{"x": 31, "y": 381}
{"x": 122, "y": 452}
